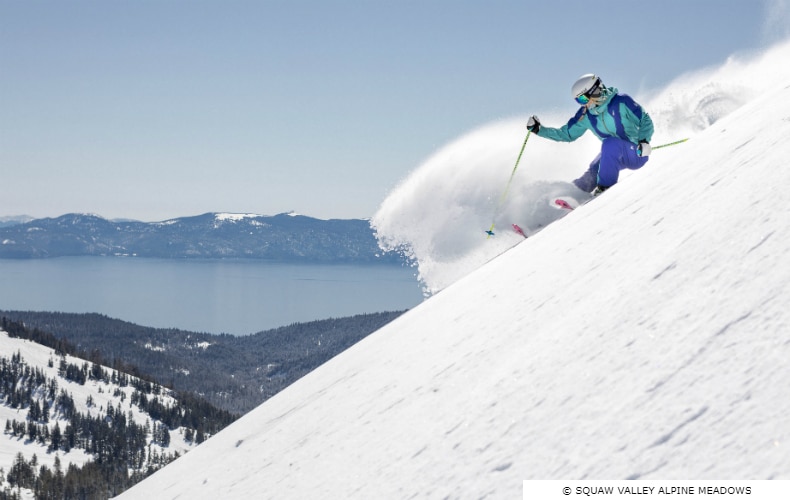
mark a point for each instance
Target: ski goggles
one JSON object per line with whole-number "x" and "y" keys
{"x": 594, "y": 91}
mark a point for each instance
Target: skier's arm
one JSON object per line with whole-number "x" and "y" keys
{"x": 568, "y": 132}
{"x": 645, "y": 127}
{"x": 639, "y": 125}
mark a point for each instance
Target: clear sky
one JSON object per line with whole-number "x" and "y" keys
{"x": 157, "y": 109}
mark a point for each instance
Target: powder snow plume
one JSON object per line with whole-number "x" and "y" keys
{"x": 438, "y": 214}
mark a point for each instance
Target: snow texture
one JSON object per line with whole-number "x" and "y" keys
{"x": 643, "y": 336}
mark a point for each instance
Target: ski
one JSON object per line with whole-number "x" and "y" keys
{"x": 567, "y": 203}
{"x": 518, "y": 229}
{"x": 563, "y": 204}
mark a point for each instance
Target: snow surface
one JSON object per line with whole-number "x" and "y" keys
{"x": 643, "y": 336}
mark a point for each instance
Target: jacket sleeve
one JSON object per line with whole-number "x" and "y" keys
{"x": 646, "y": 127}
{"x": 639, "y": 125}
{"x": 569, "y": 132}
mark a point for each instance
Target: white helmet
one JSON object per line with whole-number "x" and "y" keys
{"x": 588, "y": 86}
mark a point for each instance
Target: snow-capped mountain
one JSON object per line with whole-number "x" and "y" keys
{"x": 287, "y": 237}
{"x": 643, "y": 336}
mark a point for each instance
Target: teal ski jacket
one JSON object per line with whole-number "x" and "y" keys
{"x": 618, "y": 115}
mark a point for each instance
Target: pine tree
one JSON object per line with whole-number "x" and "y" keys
{"x": 55, "y": 438}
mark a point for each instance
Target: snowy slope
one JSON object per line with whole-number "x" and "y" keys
{"x": 101, "y": 393}
{"x": 643, "y": 336}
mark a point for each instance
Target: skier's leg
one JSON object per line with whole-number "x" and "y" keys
{"x": 617, "y": 154}
{"x": 589, "y": 179}
{"x": 631, "y": 160}
{"x": 611, "y": 161}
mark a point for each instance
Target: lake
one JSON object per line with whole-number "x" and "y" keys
{"x": 239, "y": 297}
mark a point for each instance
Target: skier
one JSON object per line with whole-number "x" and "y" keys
{"x": 623, "y": 126}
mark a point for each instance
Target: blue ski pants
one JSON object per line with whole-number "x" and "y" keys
{"x": 616, "y": 154}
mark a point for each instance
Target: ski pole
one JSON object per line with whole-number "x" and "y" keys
{"x": 670, "y": 144}
{"x": 490, "y": 231}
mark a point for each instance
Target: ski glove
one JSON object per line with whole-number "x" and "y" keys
{"x": 533, "y": 124}
{"x": 643, "y": 149}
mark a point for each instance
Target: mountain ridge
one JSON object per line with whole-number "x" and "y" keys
{"x": 234, "y": 373}
{"x": 284, "y": 237}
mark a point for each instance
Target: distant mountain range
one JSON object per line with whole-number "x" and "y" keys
{"x": 283, "y": 237}
{"x": 11, "y": 220}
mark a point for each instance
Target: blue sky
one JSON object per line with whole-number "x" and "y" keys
{"x": 158, "y": 109}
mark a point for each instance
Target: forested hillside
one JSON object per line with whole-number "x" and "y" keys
{"x": 233, "y": 373}
{"x": 78, "y": 429}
